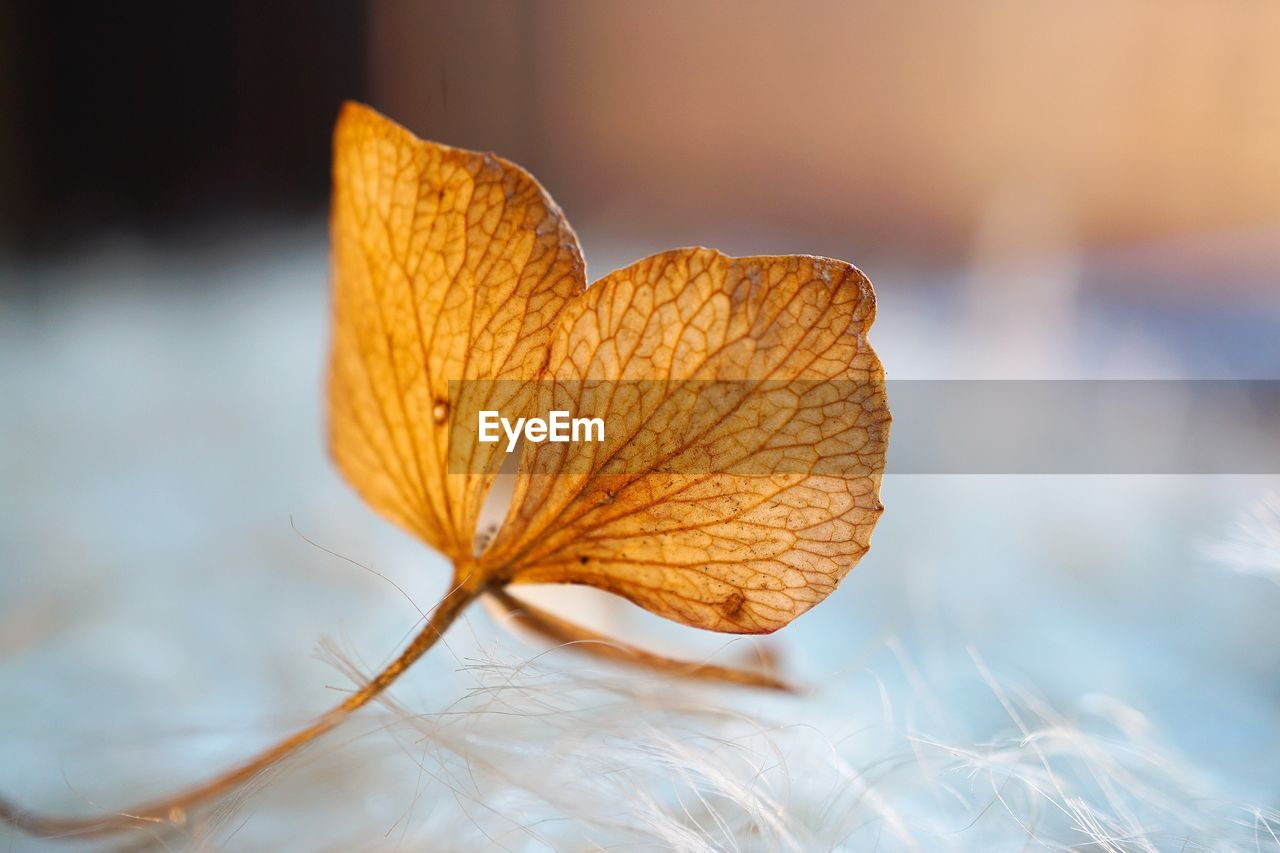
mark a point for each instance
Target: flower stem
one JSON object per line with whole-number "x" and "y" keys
{"x": 171, "y": 811}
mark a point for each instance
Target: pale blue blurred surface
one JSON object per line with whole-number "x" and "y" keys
{"x": 158, "y": 614}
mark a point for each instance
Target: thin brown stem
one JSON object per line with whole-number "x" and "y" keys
{"x": 569, "y": 634}
{"x": 172, "y": 810}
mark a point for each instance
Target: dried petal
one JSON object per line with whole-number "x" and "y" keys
{"x": 746, "y": 434}
{"x": 447, "y": 265}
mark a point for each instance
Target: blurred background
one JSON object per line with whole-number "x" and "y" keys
{"x": 1038, "y": 190}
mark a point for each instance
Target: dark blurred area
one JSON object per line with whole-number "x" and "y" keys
{"x": 960, "y": 136}
{"x": 157, "y": 117}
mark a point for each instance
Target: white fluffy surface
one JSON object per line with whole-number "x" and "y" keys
{"x": 1252, "y": 547}
{"x": 1021, "y": 662}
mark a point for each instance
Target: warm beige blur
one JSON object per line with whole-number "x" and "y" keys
{"x": 903, "y": 122}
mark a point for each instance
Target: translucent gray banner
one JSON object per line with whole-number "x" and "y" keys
{"x": 838, "y": 427}
{"x": 1085, "y": 427}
